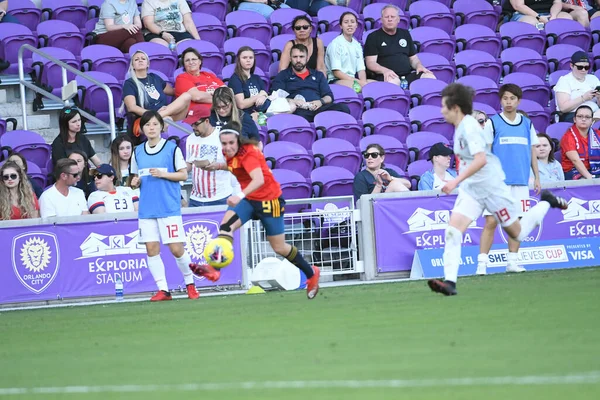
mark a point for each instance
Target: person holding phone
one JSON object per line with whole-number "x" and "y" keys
{"x": 577, "y": 88}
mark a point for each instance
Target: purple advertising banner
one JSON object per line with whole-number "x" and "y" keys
{"x": 46, "y": 262}
{"x": 403, "y": 225}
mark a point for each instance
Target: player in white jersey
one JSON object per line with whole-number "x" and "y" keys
{"x": 110, "y": 198}
{"x": 482, "y": 186}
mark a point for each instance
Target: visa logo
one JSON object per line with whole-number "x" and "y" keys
{"x": 582, "y": 255}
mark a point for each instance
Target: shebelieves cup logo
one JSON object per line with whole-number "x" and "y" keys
{"x": 197, "y": 235}
{"x": 35, "y": 258}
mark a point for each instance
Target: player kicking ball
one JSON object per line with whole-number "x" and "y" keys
{"x": 482, "y": 186}
{"x": 261, "y": 199}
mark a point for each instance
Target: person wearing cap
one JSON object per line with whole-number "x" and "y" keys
{"x": 440, "y": 173}
{"x": 536, "y": 12}
{"x": 577, "y": 88}
{"x": 110, "y": 198}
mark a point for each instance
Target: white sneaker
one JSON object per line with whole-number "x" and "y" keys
{"x": 514, "y": 268}
{"x": 481, "y": 269}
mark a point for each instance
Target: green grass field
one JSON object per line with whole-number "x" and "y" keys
{"x": 413, "y": 343}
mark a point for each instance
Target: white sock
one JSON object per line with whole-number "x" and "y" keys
{"x": 157, "y": 269}
{"x": 482, "y": 259}
{"x": 533, "y": 218}
{"x": 183, "y": 263}
{"x": 452, "y": 249}
{"x": 512, "y": 258}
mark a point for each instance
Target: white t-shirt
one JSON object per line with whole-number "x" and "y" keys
{"x": 54, "y": 204}
{"x": 488, "y": 130}
{"x": 168, "y": 14}
{"x": 469, "y": 140}
{"x": 438, "y": 183}
{"x": 179, "y": 160}
{"x": 121, "y": 200}
{"x": 344, "y": 56}
{"x": 568, "y": 84}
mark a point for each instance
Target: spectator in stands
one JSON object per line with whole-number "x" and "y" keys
{"x": 86, "y": 182}
{"x": 549, "y": 168}
{"x": 108, "y": 198}
{"x": 120, "y": 157}
{"x": 63, "y": 199}
{"x": 390, "y": 52}
{"x": 580, "y": 147}
{"x": 17, "y": 199}
{"x": 440, "y": 173}
{"x": 481, "y": 117}
{"x": 582, "y": 11}
{"x": 263, "y": 7}
{"x": 22, "y": 163}
{"x": 316, "y": 50}
{"x": 168, "y": 21}
{"x": 119, "y": 25}
{"x": 70, "y": 137}
{"x": 577, "y": 88}
{"x": 375, "y": 178}
{"x": 535, "y": 11}
{"x": 308, "y": 88}
{"x": 4, "y": 17}
{"x": 313, "y": 7}
{"x": 249, "y": 89}
{"x": 199, "y": 85}
{"x": 344, "y": 56}
{"x": 224, "y": 110}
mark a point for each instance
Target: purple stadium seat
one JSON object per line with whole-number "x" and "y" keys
{"x": 534, "y": 88}
{"x": 217, "y": 8}
{"x": 61, "y": 34}
{"x": 415, "y": 170}
{"x": 478, "y": 12}
{"x": 94, "y": 98}
{"x": 293, "y": 186}
{"x": 72, "y": 11}
{"x": 521, "y": 34}
{"x": 277, "y": 44}
{"x": 442, "y": 68}
{"x": 102, "y": 58}
{"x": 160, "y": 57}
{"x": 557, "y": 130}
{"x": 346, "y": 95}
{"x": 210, "y": 28}
{"x": 31, "y": 145}
{"x": 419, "y": 144}
{"x": 538, "y": 115}
{"x": 372, "y": 16}
{"x": 36, "y": 174}
{"x": 559, "y": 56}
{"x": 386, "y": 95}
{"x": 566, "y": 31}
{"x": 401, "y": 4}
{"x": 336, "y": 152}
{"x": 94, "y": 7}
{"x": 291, "y": 128}
{"x": 213, "y": 58}
{"x": 327, "y": 37}
{"x": 282, "y": 18}
{"x": 249, "y": 24}
{"x": 596, "y": 56}
{"x": 521, "y": 59}
{"x": 431, "y": 13}
{"x": 595, "y": 28}
{"x": 478, "y": 37}
{"x": 427, "y": 91}
{"x": 381, "y": 121}
{"x": 329, "y": 20}
{"x": 401, "y": 172}
{"x": 429, "y": 118}
{"x": 12, "y": 37}
{"x": 49, "y": 73}
{"x": 288, "y": 155}
{"x": 181, "y": 135}
{"x": 262, "y": 54}
{"x": 486, "y": 90}
{"x": 434, "y": 40}
{"x": 396, "y": 152}
{"x": 26, "y": 12}
{"x": 475, "y": 62}
{"x": 331, "y": 181}
{"x": 336, "y": 124}
{"x": 488, "y": 110}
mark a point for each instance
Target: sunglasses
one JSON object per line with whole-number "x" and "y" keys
{"x": 10, "y": 177}
{"x": 372, "y": 155}
{"x": 582, "y": 67}
{"x": 481, "y": 121}
{"x": 74, "y": 174}
{"x": 302, "y": 27}
{"x": 200, "y": 121}
{"x": 100, "y": 176}
{"x": 68, "y": 110}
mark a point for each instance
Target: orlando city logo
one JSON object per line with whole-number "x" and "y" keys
{"x": 198, "y": 233}
{"x": 35, "y": 258}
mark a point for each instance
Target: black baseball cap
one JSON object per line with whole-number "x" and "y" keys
{"x": 580, "y": 56}
{"x": 440, "y": 149}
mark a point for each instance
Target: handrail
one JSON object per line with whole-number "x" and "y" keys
{"x": 65, "y": 67}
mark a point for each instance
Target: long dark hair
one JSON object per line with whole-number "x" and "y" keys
{"x": 115, "y": 160}
{"x": 85, "y": 173}
{"x": 66, "y": 115}
{"x": 552, "y": 144}
{"x": 239, "y": 71}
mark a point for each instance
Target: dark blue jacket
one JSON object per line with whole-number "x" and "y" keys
{"x": 314, "y": 87}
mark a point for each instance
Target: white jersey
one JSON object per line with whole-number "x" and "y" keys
{"x": 121, "y": 200}
{"x": 469, "y": 140}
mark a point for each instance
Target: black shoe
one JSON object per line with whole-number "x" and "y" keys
{"x": 4, "y": 65}
{"x": 445, "y": 288}
{"x": 554, "y": 201}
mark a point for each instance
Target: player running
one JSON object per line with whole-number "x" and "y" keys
{"x": 482, "y": 187}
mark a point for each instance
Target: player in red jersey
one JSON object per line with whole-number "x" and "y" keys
{"x": 260, "y": 198}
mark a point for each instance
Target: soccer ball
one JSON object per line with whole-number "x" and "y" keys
{"x": 219, "y": 253}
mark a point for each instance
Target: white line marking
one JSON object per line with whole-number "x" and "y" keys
{"x": 592, "y": 377}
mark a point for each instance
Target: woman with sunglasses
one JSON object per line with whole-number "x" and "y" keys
{"x": 316, "y": 50}
{"x": 375, "y": 178}
{"x": 22, "y": 163}
{"x": 70, "y": 137}
{"x": 86, "y": 182}
{"x": 577, "y": 88}
{"x": 224, "y": 110}
{"x": 17, "y": 200}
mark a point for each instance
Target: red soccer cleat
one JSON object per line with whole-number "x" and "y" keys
{"x": 161, "y": 295}
{"x": 312, "y": 284}
{"x": 192, "y": 292}
{"x": 206, "y": 271}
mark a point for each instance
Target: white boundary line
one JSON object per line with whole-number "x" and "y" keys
{"x": 592, "y": 377}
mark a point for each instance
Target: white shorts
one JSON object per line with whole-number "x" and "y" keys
{"x": 166, "y": 230}
{"x": 501, "y": 204}
{"x": 521, "y": 195}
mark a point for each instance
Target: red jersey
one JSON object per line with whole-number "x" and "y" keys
{"x": 573, "y": 141}
{"x": 247, "y": 159}
{"x": 205, "y": 82}
{"x": 16, "y": 211}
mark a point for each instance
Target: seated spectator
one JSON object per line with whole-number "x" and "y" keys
{"x": 440, "y": 156}
{"x": 70, "y": 137}
{"x": 63, "y": 199}
{"x": 168, "y": 21}
{"x": 549, "y": 168}
{"x": 86, "y": 182}
{"x": 315, "y": 48}
{"x": 310, "y": 86}
{"x": 375, "y": 178}
{"x": 249, "y": 89}
{"x": 390, "y": 52}
{"x": 535, "y": 12}
{"x": 344, "y": 56}
{"x": 108, "y": 198}
{"x": 199, "y": 85}
{"x": 580, "y": 147}
{"x": 313, "y": 7}
{"x": 577, "y": 88}
{"x": 119, "y": 25}
{"x": 582, "y": 11}
{"x": 263, "y": 7}
{"x": 22, "y": 163}
{"x": 481, "y": 117}
{"x": 120, "y": 155}
{"x": 17, "y": 199}
{"x": 224, "y": 110}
